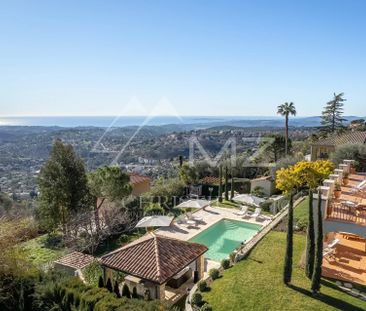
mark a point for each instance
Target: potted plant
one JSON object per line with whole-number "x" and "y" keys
{"x": 337, "y": 190}
{"x": 345, "y": 179}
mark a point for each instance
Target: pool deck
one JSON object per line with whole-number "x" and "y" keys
{"x": 210, "y": 216}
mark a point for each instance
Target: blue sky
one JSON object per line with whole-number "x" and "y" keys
{"x": 200, "y": 57}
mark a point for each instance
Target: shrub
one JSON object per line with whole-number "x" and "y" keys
{"x": 196, "y": 299}
{"x": 126, "y": 291}
{"x": 154, "y": 209}
{"x": 232, "y": 257}
{"x": 266, "y": 205}
{"x": 356, "y": 152}
{"x": 92, "y": 273}
{"x": 225, "y": 263}
{"x": 214, "y": 273}
{"x": 202, "y": 286}
{"x": 206, "y": 307}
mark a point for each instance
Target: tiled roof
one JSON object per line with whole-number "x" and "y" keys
{"x": 136, "y": 178}
{"x": 349, "y": 138}
{"x": 153, "y": 257}
{"x": 210, "y": 180}
{"x": 75, "y": 260}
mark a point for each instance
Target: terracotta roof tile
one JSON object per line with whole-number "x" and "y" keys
{"x": 153, "y": 257}
{"x": 348, "y": 138}
{"x": 136, "y": 178}
{"x": 210, "y": 180}
{"x": 75, "y": 260}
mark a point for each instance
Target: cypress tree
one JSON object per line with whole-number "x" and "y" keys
{"x": 116, "y": 289}
{"x": 100, "y": 282}
{"x": 220, "y": 183}
{"x": 226, "y": 184}
{"x": 287, "y": 271}
{"x": 126, "y": 291}
{"x": 317, "y": 271}
{"x": 310, "y": 239}
{"x": 134, "y": 293}
{"x": 232, "y": 185}
{"x": 109, "y": 285}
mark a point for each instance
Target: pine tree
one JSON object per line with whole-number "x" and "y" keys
{"x": 332, "y": 119}
{"x": 317, "y": 271}
{"x": 100, "y": 282}
{"x": 109, "y": 285}
{"x": 126, "y": 291}
{"x": 287, "y": 271}
{"x": 310, "y": 239}
{"x": 220, "y": 183}
{"x": 63, "y": 187}
{"x": 116, "y": 289}
{"x": 226, "y": 184}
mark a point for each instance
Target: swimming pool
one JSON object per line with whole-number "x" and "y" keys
{"x": 224, "y": 236}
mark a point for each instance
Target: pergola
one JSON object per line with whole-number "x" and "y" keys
{"x": 153, "y": 262}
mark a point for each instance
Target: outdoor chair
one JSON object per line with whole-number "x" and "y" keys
{"x": 190, "y": 216}
{"x": 333, "y": 243}
{"x": 243, "y": 211}
{"x": 256, "y": 213}
{"x": 361, "y": 186}
{"x": 329, "y": 253}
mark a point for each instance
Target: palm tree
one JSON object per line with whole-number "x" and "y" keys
{"x": 285, "y": 110}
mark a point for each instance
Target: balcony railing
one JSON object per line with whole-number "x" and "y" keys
{"x": 338, "y": 210}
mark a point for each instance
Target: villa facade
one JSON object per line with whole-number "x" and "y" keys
{"x": 344, "y": 224}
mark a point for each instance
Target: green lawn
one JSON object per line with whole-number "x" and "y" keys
{"x": 256, "y": 283}
{"x": 225, "y": 204}
{"x": 40, "y": 253}
{"x": 301, "y": 211}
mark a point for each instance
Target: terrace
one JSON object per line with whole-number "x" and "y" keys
{"x": 351, "y": 205}
{"x": 348, "y": 261}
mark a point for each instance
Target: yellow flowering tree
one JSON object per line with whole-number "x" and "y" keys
{"x": 287, "y": 179}
{"x": 311, "y": 174}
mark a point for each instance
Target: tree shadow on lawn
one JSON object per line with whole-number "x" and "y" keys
{"x": 329, "y": 300}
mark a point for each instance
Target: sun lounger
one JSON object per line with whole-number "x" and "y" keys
{"x": 256, "y": 213}
{"x": 194, "y": 218}
{"x": 361, "y": 186}
{"x": 328, "y": 252}
{"x": 243, "y": 211}
{"x": 333, "y": 243}
{"x": 191, "y": 223}
{"x": 197, "y": 218}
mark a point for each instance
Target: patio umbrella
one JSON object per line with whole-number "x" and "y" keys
{"x": 194, "y": 204}
{"x": 248, "y": 199}
{"x": 155, "y": 221}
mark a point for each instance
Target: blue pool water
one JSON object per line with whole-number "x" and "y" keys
{"x": 224, "y": 236}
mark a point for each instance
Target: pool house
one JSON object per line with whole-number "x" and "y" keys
{"x": 157, "y": 267}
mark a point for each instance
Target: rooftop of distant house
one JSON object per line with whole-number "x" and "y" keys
{"x": 137, "y": 179}
{"x": 75, "y": 260}
{"x": 356, "y": 137}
